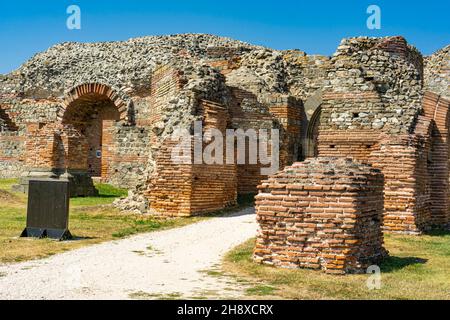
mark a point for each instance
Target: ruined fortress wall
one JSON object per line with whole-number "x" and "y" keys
{"x": 365, "y": 102}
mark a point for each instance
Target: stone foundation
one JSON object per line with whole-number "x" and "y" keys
{"x": 324, "y": 213}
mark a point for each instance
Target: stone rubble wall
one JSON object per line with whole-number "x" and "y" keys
{"x": 125, "y": 156}
{"x": 437, "y": 72}
{"x": 12, "y": 149}
{"x": 373, "y": 83}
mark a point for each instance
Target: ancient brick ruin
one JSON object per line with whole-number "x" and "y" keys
{"x": 323, "y": 213}
{"x": 107, "y": 111}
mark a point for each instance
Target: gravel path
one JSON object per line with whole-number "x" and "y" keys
{"x": 167, "y": 264}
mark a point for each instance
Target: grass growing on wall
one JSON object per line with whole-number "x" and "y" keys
{"x": 92, "y": 220}
{"x": 418, "y": 268}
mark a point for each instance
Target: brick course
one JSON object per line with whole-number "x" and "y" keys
{"x": 324, "y": 213}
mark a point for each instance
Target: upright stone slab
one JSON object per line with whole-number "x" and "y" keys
{"x": 324, "y": 213}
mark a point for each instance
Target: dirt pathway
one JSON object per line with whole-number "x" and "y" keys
{"x": 174, "y": 263}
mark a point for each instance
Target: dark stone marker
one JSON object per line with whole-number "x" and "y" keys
{"x": 48, "y": 210}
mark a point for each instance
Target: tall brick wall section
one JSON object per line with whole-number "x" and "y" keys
{"x": 414, "y": 167}
{"x": 289, "y": 113}
{"x": 246, "y": 112}
{"x": 436, "y": 109}
{"x": 53, "y": 146}
{"x": 214, "y": 186}
{"x": 190, "y": 189}
{"x": 169, "y": 189}
{"x": 165, "y": 82}
{"x": 404, "y": 162}
{"x": 324, "y": 213}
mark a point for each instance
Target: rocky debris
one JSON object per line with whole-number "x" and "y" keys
{"x": 437, "y": 72}
{"x": 135, "y": 203}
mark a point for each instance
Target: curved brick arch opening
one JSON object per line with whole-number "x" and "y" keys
{"x": 93, "y": 109}
{"x": 312, "y": 134}
{"x": 87, "y": 90}
{"x": 437, "y": 109}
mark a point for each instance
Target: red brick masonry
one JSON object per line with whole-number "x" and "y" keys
{"x": 324, "y": 213}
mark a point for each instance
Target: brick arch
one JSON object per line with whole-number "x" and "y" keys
{"x": 312, "y": 134}
{"x": 122, "y": 103}
{"x": 437, "y": 109}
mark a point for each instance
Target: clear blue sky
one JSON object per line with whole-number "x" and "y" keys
{"x": 28, "y": 27}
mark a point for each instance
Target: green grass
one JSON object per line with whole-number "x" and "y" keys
{"x": 6, "y": 184}
{"x": 418, "y": 268}
{"x": 107, "y": 194}
{"x": 261, "y": 290}
{"x": 92, "y": 220}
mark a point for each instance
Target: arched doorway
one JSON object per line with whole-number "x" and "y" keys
{"x": 312, "y": 134}
{"x": 93, "y": 109}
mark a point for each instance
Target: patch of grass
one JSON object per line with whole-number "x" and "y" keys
{"x": 89, "y": 223}
{"x": 213, "y": 273}
{"x": 418, "y": 268}
{"x": 106, "y": 195}
{"x": 6, "y": 184}
{"x": 261, "y": 290}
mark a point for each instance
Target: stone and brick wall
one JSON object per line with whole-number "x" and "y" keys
{"x": 436, "y": 109}
{"x": 185, "y": 189}
{"x": 366, "y": 102}
{"x": 12, "y": 149}
{"x": 324, "y": 213}
{"x": 125, "y": 155}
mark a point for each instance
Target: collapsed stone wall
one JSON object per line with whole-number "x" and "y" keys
{"x": 324, "y": 213}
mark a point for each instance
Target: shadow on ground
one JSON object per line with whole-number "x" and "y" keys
{"x": 438, "y": 233}
{"x": 397, "y": 263}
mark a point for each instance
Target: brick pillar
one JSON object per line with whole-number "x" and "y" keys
{"x": 41, "y": 147}
{"x": 107, "y": 147}
{"x": 288, "y": 112}
{"x": 324, "y": 213}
